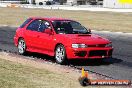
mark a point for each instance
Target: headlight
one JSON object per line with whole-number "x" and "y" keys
{"x": 109, "y": 45}
{"x": 79, "y": 46}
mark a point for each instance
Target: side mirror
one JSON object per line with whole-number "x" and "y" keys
{"x": 48, "y": 31}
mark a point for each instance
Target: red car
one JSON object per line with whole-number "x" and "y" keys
{"x": 63, "y": 38}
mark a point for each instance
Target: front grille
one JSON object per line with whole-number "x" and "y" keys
{"x": 101, "y": 45}
{"x": 97, "y": 45}
{"x": 98, "y": 53}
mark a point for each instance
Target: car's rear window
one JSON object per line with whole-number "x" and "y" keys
{"x": 26, "y": 22}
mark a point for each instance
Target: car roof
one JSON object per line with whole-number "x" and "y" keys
{"x": 49, "y": 18}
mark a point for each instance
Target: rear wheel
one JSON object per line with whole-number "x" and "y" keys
{"x": 21, "y": 47}
{"x": 60, "y": 54}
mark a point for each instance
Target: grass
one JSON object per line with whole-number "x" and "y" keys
{"x": 14, "y": 75}
{"x": 108, "y": 21}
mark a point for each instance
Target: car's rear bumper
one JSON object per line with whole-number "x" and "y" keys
{"x": 89, "y": 53}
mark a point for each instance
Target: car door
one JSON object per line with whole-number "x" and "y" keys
{"x": 46, "y": 43}
{"x": 31, "y": 34}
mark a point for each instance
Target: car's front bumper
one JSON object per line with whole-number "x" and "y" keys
{"x": 89, "y": 53}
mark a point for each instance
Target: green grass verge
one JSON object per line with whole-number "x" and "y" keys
{"x": 14, "y": 75}
{"x": 108, "y": 21}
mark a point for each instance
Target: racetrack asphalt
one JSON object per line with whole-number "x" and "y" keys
{"x": 118, "y": 67}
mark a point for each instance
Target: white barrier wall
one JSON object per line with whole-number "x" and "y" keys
{"x": 37, "y": 1}
{"x": 70, "y": 2}
{"x": 116, "y": 4}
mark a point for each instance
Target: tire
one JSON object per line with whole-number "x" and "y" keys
{"x": 48, "y": 3}
{"x": 40, "y": 3}
{"x": 21, "y": 47}
{"x": 60, "y": 55}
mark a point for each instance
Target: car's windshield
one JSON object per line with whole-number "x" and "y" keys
{"x": 69, "y": 27}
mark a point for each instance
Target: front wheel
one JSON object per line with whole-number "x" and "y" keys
{"x": 21, "y": 47}
{"x": 60, "y": 54}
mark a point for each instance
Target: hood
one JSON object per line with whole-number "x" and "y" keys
{"x": 89, "y": 39}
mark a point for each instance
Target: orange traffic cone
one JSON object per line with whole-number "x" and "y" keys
{"x": 84, "y": 74}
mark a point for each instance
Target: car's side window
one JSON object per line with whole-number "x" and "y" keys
{"x": 34, "y": 26}
{"x": 26, "y": 22}
{"x": 44, "y": 25}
